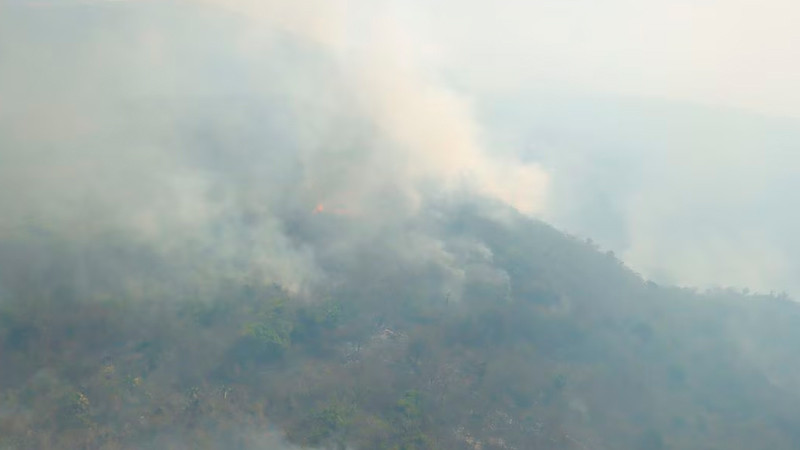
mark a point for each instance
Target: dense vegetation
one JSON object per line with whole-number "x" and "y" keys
{"x": 524, "y": 339}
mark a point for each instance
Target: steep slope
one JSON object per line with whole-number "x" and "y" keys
{"x": 465, "y": 325}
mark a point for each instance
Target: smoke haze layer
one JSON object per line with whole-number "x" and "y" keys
{"x": 203, "y": 127}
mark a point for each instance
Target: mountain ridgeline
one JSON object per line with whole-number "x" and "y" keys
{"x": 464, "y": 326}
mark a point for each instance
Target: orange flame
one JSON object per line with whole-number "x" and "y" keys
{"x": 320, "y": 209}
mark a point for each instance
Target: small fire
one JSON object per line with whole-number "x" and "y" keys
{"x": 337, "y": 211}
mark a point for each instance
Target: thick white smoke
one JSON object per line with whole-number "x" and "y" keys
{"x": 432, "y": 134}
{"x": 202, "y": 127}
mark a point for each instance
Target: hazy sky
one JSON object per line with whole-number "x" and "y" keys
{"x": 739, "y": 53}
{"x": 669, "y": 131}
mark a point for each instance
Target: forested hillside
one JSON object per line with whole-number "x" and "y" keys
{"x": 462, "y": 326}
{"x": 337, "y": 224}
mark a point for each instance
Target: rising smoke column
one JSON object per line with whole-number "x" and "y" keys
{"x": 431, "y": 134}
